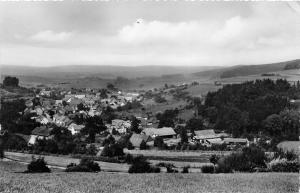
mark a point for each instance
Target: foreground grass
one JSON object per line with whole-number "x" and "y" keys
{"x": 11, "y": 180}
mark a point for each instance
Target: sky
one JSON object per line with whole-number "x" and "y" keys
{"x": 133, "y": 33}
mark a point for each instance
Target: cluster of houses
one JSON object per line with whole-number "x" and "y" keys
{"x": 170, "y": 138}
{"x": 48, "y": 111}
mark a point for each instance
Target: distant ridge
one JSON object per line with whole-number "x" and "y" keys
{"x": 100, "y": 71}
{"x": 246, "y": 70}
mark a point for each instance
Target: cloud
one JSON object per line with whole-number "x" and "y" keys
{"x": 50, "y": 36}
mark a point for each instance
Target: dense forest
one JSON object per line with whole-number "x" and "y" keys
{"x": 255, "y": 108}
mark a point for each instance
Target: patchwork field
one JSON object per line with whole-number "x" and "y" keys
{"x": 13, "y": 180}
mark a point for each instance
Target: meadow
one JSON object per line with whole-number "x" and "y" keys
{"x": 13, "y": 180}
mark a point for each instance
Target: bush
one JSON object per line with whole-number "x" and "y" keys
{"x": 143, "y": 145}
{"x": 170, "y": 167}
{"x": 289, "y": 155}
{"x": 185, "y": 169}
{"x": 129, "y": 146}
{"x": 141, "y": 165}
{"x": 112, "y": 150}
{"x": 129, "y": 158}
{"x": 250, "y": 158}
{"x": 214, "y": 159}
{"x": 85, "y": 165}
{"x": 37, "y": 166}
{"x": 283, "y": 165}
{"x": 208, "y": 169}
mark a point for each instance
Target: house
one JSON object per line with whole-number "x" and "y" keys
{"x": 291, "y": 146}
{"x": 74, "y": 128}
{"x": 120, "y": 125}
{"x": 39, "y": 133}
{"x": 165, "y": 132}
{"x": 208, "y": 137}
{"x": 208, "y": 134}
{"x": 137, "y": 139}
{"x": 61, "y": 120}
{"x": 232, "y": 142}
{"x": 45, "y": 93}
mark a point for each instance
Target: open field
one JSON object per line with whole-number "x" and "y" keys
{"x": 195, "y": 159}
{"x": 11, "y": 180}
{"x": 63, "y": 161}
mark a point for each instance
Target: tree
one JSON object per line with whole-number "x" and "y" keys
{"x": 183, "y": 135}
{"x": 10, "y": 81}
{"x": 290, "y": 124}
{"x": 135, "y": 125}
{"x": 273, "y": 125}
{"x": 110, "y": 86}
{"x": 195, "y": 124}
{"x": 159, "y": 142}
{"x": 93, "y": 126}
{"x": 143, "y": 145}
{"x": 166, "y": 119}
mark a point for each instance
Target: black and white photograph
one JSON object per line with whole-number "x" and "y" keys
{"x": 149, "y": 96}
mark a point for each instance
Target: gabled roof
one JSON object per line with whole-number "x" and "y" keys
{"x": 136, "y": 139}
{"x": 165, "y": 131}
{"x": 75, "y": 126}
{"x": 42, "y": 131}
{"x": 205, "y": 134}
{"x": 25, "y": 137}
{"x": 236, "y": 140}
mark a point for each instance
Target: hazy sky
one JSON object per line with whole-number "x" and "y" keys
{"x": 148, "y": 33}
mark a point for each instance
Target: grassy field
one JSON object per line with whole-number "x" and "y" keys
{"x": 63, "y": 161}
{"x": 12, "y": 180}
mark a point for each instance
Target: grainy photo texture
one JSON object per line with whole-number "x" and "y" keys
{"x": 142, "y": 96}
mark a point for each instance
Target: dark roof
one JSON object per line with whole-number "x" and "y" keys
{"x": 25, "y": 137}
{"x": 42, "y": 131}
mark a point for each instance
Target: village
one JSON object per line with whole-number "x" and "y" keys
{"x": 63, "y": 113}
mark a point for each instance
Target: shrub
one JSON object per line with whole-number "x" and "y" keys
{"x": 289, "y": 155}
{"x": 171, "y": 170}
{"x": 214, "y": 159}
{"x": 143, "y": 145}
{"x": 112, "y": 150}
{"x": 129, "y": 146}
{"x": 37, "y": 166}
{"x": 169, "y": 166}
{"x": 283, "y": 165}
{"x": 250, "y": 158}
{"x": 85, "y": 165}
{"x": 185, "y": 169}
{"x": 208, "y": 169}
{"x": 141, "y": 165}
{"x": 129, "y": 158}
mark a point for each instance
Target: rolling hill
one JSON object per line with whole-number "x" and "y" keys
{"x": 246, "y": 70}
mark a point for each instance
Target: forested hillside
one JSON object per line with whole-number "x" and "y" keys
{"x": 254, "y": 108}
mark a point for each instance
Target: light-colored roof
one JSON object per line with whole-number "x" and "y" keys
{"x": 136, "y": 139}
{"x": 235, "y": 140}
{"x": 209, "y": 134}
{"x": 165, "y": 131}
{"x": 75, "y": 126}
{"x": 290, "y": 146}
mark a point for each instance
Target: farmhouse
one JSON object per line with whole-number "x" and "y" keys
{"x": 209, "y": 137}
{"x": 137, "y": 139}
{"x": 74, "y": 128}
{"x": 236, "y": 141}
{"x": 120, "y": 125}
{"x": 40, "y": 133}
{"x": 165, "y": 132}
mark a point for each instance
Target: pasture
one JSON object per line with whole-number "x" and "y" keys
{"x": 13, "y": 180}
